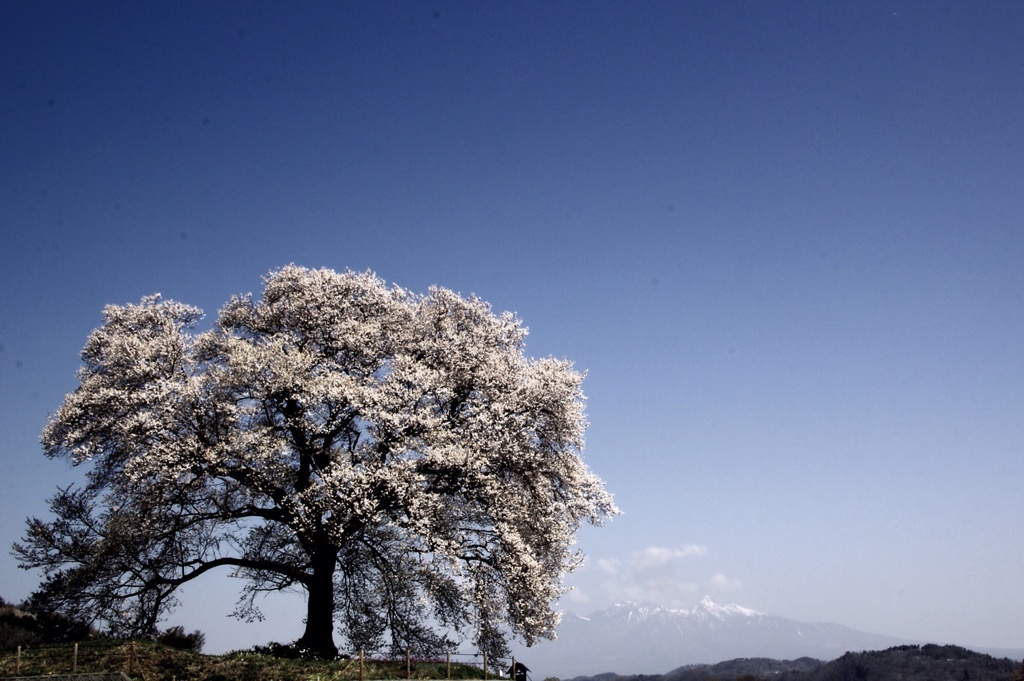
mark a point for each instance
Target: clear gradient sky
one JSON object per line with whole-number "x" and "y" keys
{"x": 785, "y": 239}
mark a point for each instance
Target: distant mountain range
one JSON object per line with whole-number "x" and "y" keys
{"x": 643, "y": 638}
{"x": 927, "y": 662}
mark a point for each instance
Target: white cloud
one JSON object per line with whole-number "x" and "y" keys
{"x": 578, "y": 596}
{"x": 656, "y": 556}
{"x": 667, "y": 576}
{"x": 720, "y": 581}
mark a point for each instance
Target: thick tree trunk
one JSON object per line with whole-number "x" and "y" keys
{"x": 318, "y": 638}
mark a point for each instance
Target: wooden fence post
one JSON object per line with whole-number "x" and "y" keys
{"x": 74, "y": 659}
{"x": 131, "y": 660}
{"x": 362, "y": 676}
{"x": 17, "y": 663}
{"x": 447, "y": 663}
{"x": 408, "y": 663}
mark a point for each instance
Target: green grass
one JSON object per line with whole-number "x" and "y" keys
{"x": 152, "y": 661}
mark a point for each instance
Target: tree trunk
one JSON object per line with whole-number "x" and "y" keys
{"x": 318, "y": 638}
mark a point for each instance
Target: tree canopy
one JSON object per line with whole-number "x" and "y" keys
{"x": 394, "y": 455}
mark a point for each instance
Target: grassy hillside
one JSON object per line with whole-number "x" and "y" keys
{"x": 152, "y": 661}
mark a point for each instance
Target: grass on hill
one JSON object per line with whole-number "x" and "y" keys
{"x": 153, "y": 661}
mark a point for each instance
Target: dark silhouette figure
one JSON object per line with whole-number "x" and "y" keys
{"x": 517, "y": 672}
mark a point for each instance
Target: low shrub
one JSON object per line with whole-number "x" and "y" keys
{"x": 175, "y": 637}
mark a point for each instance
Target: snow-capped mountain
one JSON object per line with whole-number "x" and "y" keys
{"x": 707, "y": 612}
{"x": 643, "y": 638}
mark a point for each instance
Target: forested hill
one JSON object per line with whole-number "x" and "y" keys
{"x": 913, "y": 663}
{"x": 907, "y": 663}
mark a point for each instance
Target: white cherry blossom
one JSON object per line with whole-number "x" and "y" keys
{"x": 396, "y": 456}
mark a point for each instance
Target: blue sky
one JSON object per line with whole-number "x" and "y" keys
{"x": 784, "y": 239}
